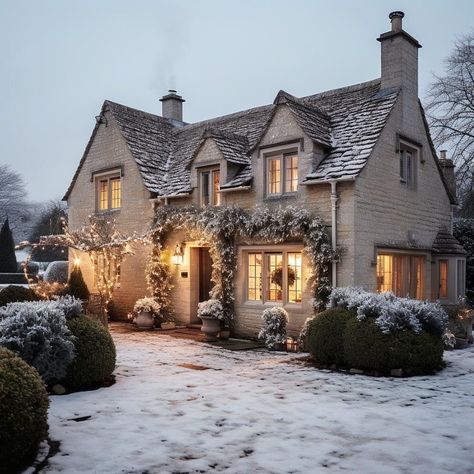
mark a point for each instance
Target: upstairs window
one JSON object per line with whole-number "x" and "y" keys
{"x": 282, "y": 174}
{"x": 109, "y": 192}
{"x": 209, "y": 182}
{"x": 407, "y": 168}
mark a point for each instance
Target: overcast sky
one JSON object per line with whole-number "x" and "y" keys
{"x": 61, "y": 59}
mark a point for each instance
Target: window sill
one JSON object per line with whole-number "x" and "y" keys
{"x": 107, "y": 212}
{"x": 273, "y": 197}
{"x": 270, "y": 304}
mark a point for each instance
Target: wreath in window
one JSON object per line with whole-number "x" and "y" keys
{"x": 276, "y": 276}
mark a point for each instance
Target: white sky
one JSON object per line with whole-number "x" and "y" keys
{"x": 61, "y": 59}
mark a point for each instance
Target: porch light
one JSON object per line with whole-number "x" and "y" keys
{"x": 77, "y": 262}
{"x": 177, "y": 257}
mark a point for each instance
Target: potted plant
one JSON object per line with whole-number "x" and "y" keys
{"x": 273, "y": 331}
{"x": 146, "y": 309}
{"x": 211, "y": 313}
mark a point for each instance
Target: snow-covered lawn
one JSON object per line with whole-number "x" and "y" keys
{"x": 260, "y": 412}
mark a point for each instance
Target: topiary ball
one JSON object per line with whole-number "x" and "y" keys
{"x": 24, "y": 412}
{"x": 95, "y": 354}
{"x": 16, "y": 293}
{"x": 325, "y": 336}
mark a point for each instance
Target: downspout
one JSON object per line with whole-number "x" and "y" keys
{"x": 334, "y": 201}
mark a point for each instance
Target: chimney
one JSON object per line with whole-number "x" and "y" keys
{"x": 172, "y": 106}
{"x": 447, "y": 167}
{"x": 399, "y": 58}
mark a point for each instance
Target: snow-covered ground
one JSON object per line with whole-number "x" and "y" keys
{"x": 260, "y": 412}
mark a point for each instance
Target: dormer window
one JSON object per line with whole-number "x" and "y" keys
{"x": 209, "y": 182}
{"x": 108, "y": 191}
{"x": 282, "y": 174}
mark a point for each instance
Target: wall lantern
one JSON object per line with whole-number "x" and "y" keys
{"x": 178, "y": 255}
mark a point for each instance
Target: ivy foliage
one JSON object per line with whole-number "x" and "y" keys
{"x": 222, "y": 228}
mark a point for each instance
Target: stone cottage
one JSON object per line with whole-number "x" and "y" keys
{"x": 360, "y": 157}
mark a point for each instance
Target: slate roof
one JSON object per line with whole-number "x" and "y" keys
{"x": 346, "y": 122}
{"x": 445, "y": 244}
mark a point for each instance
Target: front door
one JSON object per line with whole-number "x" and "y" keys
{"x": 205, "y": 271}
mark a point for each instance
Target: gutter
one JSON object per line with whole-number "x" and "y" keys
{"x": 237, "y": 188}
{"x": 334, "y": 201}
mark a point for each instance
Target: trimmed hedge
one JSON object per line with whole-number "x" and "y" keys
{"x": 366, "y": 347}
{"x": 325, "y": 336}
{"x": 95, "y": 354}
{"x": 24, "y": 412}
{"x": 14, "y": 293}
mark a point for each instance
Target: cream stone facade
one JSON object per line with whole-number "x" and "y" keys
{"x": 365, "y": 164}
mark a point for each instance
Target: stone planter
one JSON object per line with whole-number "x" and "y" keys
{"x": 168, "y": 325}
{"x": 210, "y": 328}
{"x": 224, "y": 333}
{"x": 145, "y": 320}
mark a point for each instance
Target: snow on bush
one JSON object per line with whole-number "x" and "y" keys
{"x": 273, "y": 331}
{"x": 211, "y": 309}
{"x": 56, "y": 271}
{"x": 302, "y": 346}
{"x": 392, "y": 313}
{"x": 147, "y": 305}
{"x": 38, "y": 333}
{"x": 449, "y": 340}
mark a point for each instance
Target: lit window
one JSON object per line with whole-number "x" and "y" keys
{"x": 274, "y": 277}
{"x": 209, "y": 188}
{"x": 282, "y": 174}
{"x": 443, "y": 278}
{"x": 403, "y": 275}
{"x": 109, "y": 193}
{"x": 407, "y": 167}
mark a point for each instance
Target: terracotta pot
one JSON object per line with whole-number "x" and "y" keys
{"x": 145, "y": 320}
{"x": 168, "y": 325}
{"x": 210, "y": 328}
{"x": 224, "y": 333}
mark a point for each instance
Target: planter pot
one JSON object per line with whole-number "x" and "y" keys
{"x": 280, "y": 347}
{"x": 210, "y": 328}
{"x": 224, "y": 333}
{"x": 145, "y": 320}
{"x": 168, "y": 325}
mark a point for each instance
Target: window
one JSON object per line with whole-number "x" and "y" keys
{"x": 443, "y": 279}
{"x": 404, "y": 275}
{"x": 282, "y": 174}
{"x": 109, "y": 192}
{"x": 274, "y": 277}
{"x": 209, "y": 188}
{"x": 407, "y": 167}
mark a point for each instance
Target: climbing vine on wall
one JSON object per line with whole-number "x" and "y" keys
{"x": 221, "y": 228}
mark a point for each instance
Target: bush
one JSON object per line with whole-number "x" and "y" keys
{"x": 273, "y": 330}
{"x": 56, "y": 272}
{"x": 8, "y": 262}
{"x": 95, "y": 354}
{"x": 14, "y": 293}
{"x": 325, "y": 336}
{"x": 367, "y": 348}
{"x": 24, "y": 412}
{"x": 38, "y": 333}
{"x": 76, "y": 285}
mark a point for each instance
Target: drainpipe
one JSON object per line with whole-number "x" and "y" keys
{"x": 334, "y": 200}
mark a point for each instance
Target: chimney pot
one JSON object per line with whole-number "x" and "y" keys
{"x": 396, "y": 19}
{"x": 172, "y": 106}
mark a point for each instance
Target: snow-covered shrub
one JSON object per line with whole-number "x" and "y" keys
{"x": 392, "y": 313}
{"x": 273, "y": 330}
{"x": 38, "y": 333}
{"x": 449, "y": 340}
{"x": 210, "y": 309}
{"x": 147, "y": 305}
{"x": 325, "y": 338}
{"x": 24, "y": 412}
{"x": 302, "y": 337}
{"x": 56, "y": 272}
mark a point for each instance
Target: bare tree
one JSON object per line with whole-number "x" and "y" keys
{"x": 12, "y": 198}
{"x": 451, "y": 109}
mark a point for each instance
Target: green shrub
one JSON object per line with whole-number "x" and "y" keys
{"x": 325, "y": 336}
{"x": 367, "y": 348}
{"x": 24, "y": 412}
{"x": 76, "y": 286}
{"x": 15, "y": 293}
{"x": 95, "y": 354}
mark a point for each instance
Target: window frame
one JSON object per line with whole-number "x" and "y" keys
{"x": 408, "y": 168}
{"x": 281, "y": 156}
{"x": 108, "y": 178}
{"x": 265, "y": 251}
{"x": 214, "y": 198}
